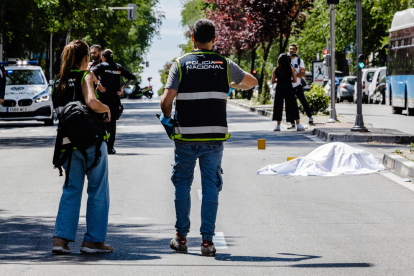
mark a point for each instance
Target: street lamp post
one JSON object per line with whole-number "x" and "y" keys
{"x": 333, "y": 118}
{"x": 359, "y": 120}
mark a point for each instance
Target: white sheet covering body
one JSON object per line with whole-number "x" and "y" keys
{"x": 328, "y": 160}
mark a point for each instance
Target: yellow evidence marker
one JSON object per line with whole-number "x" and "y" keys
{"x": 261, "y": 144}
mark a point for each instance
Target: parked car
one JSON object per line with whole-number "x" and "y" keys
{"x": 327, "y": 87}
{"x": 378, "y": 75}
{"x": 346, "y": 89}
{"x": 309, "y": 80}
{"x": 367, "y": 76}
{"x": 379, "y": 93}
{"x": 27, "y": 95}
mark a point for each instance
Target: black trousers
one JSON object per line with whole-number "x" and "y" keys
{"x": 300, "y": 94}
{"x": 113, "y": 104}
{"x": 285, "y": 94}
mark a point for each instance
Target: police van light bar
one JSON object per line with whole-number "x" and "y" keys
{"x": 5, "y": 63}
{"x": 33, "y": 62}
{"x": 9, "y": 71}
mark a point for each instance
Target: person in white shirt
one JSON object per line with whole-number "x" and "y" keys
{"x": 299, "y": 67}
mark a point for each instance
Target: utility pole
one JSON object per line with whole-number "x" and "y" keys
{"x": 359, "y": 120}
{"x": 1, "y": 47}
{"x": 50, "y": 58}
{"x": 333, "y": 118}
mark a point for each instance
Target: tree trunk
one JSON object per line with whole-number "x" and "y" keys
{"x": 239, "y": 55}
{"x": 265, "y": 56}
{"x": 253, "y": 59}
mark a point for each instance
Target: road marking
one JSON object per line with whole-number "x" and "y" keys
{"x": 200, "y": 194}
{"x": 398, "y": 180}
{"x": 315, "y": 139}
{"x": 220, "y": 241}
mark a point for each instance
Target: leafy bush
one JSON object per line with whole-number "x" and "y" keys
{"x": 316, "y": 98}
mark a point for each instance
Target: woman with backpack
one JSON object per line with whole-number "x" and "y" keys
{"x": 109, "y": 74}
{"x": 284, "y": 75}
{"x": 75, "y": 84}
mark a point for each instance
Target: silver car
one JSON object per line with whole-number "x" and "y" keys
{"x": 346, "y": 89}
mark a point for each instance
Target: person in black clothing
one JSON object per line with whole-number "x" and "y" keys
{"x": 96, "y": 56}
{"x": 109, "y": 74}
{"x": 284, "y": 74}
{"x": 2, "y": 83}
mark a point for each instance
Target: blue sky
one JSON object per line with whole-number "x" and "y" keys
{"x": 165, "y": 47}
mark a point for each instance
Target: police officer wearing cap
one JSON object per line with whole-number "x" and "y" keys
{"x": 200, "y": 81}
{"x": 109, "y": 74}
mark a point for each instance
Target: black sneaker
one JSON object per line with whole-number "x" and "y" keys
{"x": 111, "y": 151}
{"x": 208, "y": 248}
{"x": 292, "y": 126}
{"x": 311, "y": 120}
{"x": 179, "y": 245}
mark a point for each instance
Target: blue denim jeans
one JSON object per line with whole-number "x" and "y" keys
{"x": 98, "y": 198}
{"x": 209, "y": 156}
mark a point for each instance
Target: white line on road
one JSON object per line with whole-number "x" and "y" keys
{"x": 220, "y": 241}
{"x": 200, "y": 194}
{"x": 398, "y": 180}
{"x": 315, "y": 139}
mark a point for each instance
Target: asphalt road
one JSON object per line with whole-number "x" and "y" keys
{"x": 360, "y": 225}
{"x": 380, "y": 116}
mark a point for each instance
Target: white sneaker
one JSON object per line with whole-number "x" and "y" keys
{"x": 311, "y": 120}
{"x": 299, "y": 127}
{"x": 277, "y": 128}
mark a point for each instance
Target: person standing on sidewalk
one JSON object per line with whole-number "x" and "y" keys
{"x": 284, "y": 75}
{"x": 75, "y": 82}
{"x": 109, "y": 74}
{"x": 299, "y": 66}
{"x": 200, "y": 81}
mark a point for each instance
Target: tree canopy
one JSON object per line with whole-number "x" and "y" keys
{"x": 26, "y": 26}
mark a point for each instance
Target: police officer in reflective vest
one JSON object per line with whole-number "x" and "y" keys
{"x": 200, "y": 81}
{"x": 109, "y": 74}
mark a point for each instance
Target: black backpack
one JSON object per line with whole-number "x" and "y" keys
{"x": 79, "y": 127}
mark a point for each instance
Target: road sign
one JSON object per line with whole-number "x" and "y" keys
{"x": 318, "y": 72}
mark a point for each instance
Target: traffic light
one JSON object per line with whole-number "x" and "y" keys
{"x": 327, "y": 60}
{"x": 132, "y": 12}
{"x": 361, "y": 61}
{"x": 331, "y": 2}
{"x": 325, "y": 51}
{"x": 254, "y": 73}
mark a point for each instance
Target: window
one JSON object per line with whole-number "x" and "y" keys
{"x": 370, "y": 76}
{"x": 22, "y": 77}
{"x": 402, "y": 42}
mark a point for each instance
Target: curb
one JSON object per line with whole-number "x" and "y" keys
{"x": 260, "y": 111}
{"x": 399, "y": 164}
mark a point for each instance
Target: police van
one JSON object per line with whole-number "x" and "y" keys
{"x": 27, "y": 95}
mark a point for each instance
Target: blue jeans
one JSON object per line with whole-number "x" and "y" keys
{"x": 98, "y": 198}
{"x": 209, "y": 156}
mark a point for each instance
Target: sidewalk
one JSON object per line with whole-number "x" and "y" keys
{"x": 319, "y": 121}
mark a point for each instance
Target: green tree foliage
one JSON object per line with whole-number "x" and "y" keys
{"x": 91, "y": 20}
{"x": 164, "y": 76}
{"x": 377, "y": 16}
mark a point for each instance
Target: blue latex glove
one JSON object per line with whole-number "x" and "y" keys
{"x": 165, "y": 121}
{"x": 231, "y": 90}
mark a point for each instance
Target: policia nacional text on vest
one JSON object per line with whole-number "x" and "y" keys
{"x": 201, "y": 100}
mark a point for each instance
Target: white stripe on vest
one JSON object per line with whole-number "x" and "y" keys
{"x": 201, "y": 130}
{"x": 202, "y": 95}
